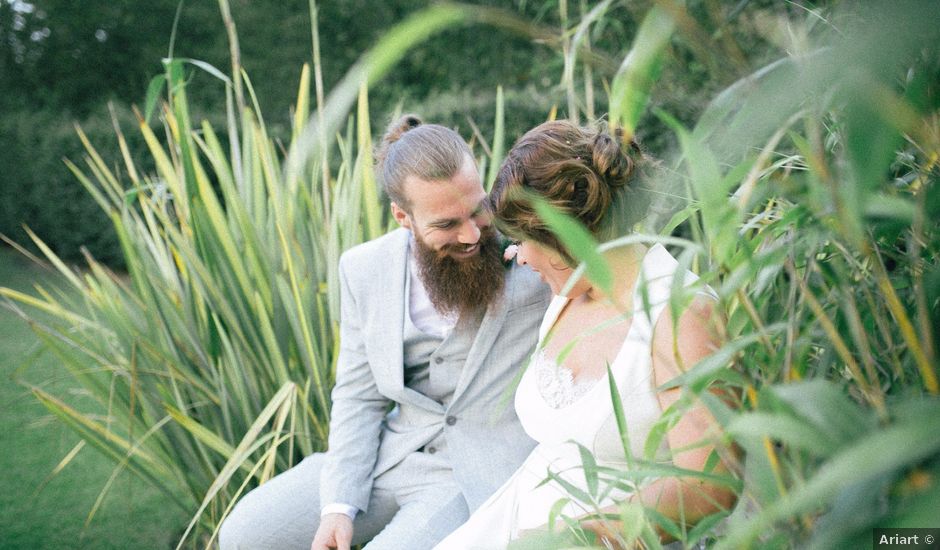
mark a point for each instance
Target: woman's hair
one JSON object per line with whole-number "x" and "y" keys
{"x": 588, "y": 173}
{"x": 426, "y": 151}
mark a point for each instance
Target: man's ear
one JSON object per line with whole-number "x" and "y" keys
{"x": 401, "y": 216}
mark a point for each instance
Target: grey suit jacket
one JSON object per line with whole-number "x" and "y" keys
{"x": 485, "y": 441}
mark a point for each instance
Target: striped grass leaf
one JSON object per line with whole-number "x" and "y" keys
{"x": 371, "y": 204}
{"x": 278, "y": 404}
{"x": 154, "y": 89}
{"x": 200, "y": 432}
{"x": 498, "y": 146}
{"x": 579, "y": 42}
{"x": 105, "y": 440}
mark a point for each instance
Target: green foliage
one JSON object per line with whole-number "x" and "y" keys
{"x": 575, "y": 237}
{"x": 84, "y": 58}
{"x": 808, "y": 188}
{"x": 36, "y": 448}
{"x": 631, "y": 87}
{"x": 32, "y": 190}
{"x": 214, "y": 357}
{"x": 806, "y": 198}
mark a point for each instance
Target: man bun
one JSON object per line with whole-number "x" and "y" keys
{"x": 411, "y": 148}
{"x": 393, "y": 133}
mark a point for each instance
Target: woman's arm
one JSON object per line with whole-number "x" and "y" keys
{"x": 684, "y": 500}
{"x": 675, "y": 350}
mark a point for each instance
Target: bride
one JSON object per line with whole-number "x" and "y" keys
{"x": 564, "y": 397}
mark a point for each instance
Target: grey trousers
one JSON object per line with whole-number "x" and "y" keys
{"x": 413, "y": 506}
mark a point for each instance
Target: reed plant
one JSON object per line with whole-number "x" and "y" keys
{"x": 804, "y": 200}
{"x": 803, "y": 194}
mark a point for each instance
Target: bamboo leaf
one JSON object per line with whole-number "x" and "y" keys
{"x": 658, "y": 519}
{"x": 827, "y": 407}
{"x": 630, "y": 89}
{"x": 785, "y": 428}
{"x": 622, "y": 428}
{"x": 590, "y": 469}
{"x": 909, "y": 443}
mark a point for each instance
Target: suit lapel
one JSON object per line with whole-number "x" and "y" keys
{"x": 388, "y": 333}
{"x": 489, "y": 329}
{"x": 389, "y": 295}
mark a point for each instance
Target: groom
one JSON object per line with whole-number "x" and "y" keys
{"x": 433, "y": 329}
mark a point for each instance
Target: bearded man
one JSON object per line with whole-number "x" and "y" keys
{"x": 433, "y": 330}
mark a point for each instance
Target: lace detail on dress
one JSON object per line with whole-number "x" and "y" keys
{"x": 556, "y": 383}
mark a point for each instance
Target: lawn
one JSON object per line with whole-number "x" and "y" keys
{"x": 133, "y": 515}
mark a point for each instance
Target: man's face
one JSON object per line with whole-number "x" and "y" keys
{"x": 447, "y": 216}
{"x": 456, "y": 248}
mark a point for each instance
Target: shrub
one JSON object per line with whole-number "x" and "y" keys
{"x": 38, "y": 190}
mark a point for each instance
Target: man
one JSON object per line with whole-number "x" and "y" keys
{"x": 433, "y": 330}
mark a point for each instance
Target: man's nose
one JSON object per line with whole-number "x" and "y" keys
{"x": 469, "y": 232}
{"x": 520, "y": 257}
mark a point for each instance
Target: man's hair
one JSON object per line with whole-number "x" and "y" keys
{"x": 426, "y": 151}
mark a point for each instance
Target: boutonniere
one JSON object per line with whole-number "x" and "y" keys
{"x": 510, "y": 248}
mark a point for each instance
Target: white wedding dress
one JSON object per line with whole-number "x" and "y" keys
{"x": 555, "y": 412}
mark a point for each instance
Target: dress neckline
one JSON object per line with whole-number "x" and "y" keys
{"x": 555, "y": 308}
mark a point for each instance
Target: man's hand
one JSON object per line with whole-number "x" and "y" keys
{"x": 336, "y": 531}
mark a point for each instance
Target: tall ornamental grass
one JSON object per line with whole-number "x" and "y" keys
{"x": 802, "y": 195}
{"x": 212, "y": 359}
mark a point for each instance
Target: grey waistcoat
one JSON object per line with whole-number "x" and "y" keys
{"x": 433, "y": 364}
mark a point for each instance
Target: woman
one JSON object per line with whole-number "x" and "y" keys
{"x": 564, "y": 397}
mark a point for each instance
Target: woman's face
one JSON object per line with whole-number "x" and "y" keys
{"x": 550, "y": 266}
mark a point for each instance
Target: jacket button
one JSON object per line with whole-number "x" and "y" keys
{"x": 451, "y": 420}
{"x": 431, "y": 450}
{"x": 438, "y": 360}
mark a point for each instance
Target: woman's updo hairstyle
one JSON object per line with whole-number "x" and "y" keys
{"x": 411, "y": 148}
{"x": 589, "y": 173}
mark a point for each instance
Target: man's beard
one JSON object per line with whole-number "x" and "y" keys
{"x": 462, "y": 286}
